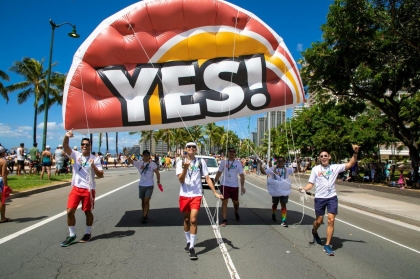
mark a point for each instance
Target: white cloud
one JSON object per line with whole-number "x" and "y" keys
{"x": 299, "y": 47}
{"x": 9, "y": 132}
{"x": 51, "y": 126}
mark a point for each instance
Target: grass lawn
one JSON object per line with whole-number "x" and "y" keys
{"x": 28, "y": 182}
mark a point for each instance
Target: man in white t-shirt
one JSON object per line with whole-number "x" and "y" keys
{"x": 85, "y": 167}
{"x": 324, "y": 176}
{"x": 230, "y": 190}
{"x": 189, "y": 172}
{"x": 280, "y": 173}
{"x": 20, "y": 159}
{"x": 146, "y": 168}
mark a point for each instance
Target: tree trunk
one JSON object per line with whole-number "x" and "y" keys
{"x": 107, "y": 145}
{"x": 35, "y": 120}
{"x": 91, "y": 142}
{"x": 116, "y": 143}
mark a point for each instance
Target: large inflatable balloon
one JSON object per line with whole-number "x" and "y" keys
{"x": 166, "y": 64}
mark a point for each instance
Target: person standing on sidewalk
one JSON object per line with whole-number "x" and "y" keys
{"x": 3, "y": 182}
{"x": 230, "y": 169}
{"x": 323, "y": 176}
{"x": 85, "y": 167}
{"x": 189, "y": 172}
{"x": 146, "y": 168}
{"x": 33, "y": 161}
{"x": 280, "y": 189}
{"x": 21, "y": 159}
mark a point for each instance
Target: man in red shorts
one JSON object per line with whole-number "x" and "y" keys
{"x": 85, "y": 167}
{"x": 189, "y": 172}
{"x": 230, "y": 190}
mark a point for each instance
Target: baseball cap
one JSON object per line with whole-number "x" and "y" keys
{"x": 75, "y": 148}
{"x": 60, "y": 145}
{"x": 146, "y": 152}
{"x": 2, "y": 149}
{"x": 47, "y": 147}
{"x": 191, "y": 143}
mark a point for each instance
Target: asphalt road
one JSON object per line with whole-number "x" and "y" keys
{"x": 366, "y": 245}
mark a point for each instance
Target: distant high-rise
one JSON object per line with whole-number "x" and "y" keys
{"x": 277, "y": 118}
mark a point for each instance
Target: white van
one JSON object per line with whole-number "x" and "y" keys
{"x": 212, "y": 166}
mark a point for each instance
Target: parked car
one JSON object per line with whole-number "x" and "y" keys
{"x": 212, "y": 166}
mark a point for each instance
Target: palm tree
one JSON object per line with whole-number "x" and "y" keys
{"x": 196, "y": 134}
{"x": 34, "y": 83}
{"x": 116, "y": 143}
{"x": 180, "y": 134}
{"x": 100, "y": 142}
{"x": 213, "y": 133}
{"x": 57, "y": 82}
{"x": 3, "y": 91}
{"x": 107, "y": 145}
{"x": 230, "y": 139}
{"x": 166, "y": 135}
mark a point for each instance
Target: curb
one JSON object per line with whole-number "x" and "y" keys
{"x": 38, "y": 190}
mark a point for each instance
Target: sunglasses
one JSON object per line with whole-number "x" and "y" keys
{"x": 191, "y": 146}
{"x": 232, "y": 151}
{"x": 85, "y": 144}
{"x": 146, "y": 154}
{"x": 280, "y": 161}
{"x": 323, "y": 156}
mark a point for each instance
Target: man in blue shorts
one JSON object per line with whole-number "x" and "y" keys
{"x": 324, "y": 176}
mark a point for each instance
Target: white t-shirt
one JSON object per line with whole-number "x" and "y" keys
{"x": 20, "y": 157}
{"x": 81, "y": 167}
{"x": 192, "y": 184}
{"x": 146, "y": 171}
{"x": 324, "y": 179}
{"x": 280, "y": 173}
{"x": 230, "y": 170}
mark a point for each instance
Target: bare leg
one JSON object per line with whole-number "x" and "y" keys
{"x": 330, "y": 228}
{"x": 224, "y": 208}
{"x": 71, "y": 220}
{"x": 145, "y": 205}
{"x": 89, "y": 218}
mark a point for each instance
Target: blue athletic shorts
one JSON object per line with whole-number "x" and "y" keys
{"x": 330, "y": 203}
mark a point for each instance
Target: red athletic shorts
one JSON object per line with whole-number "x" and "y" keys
{"x": 229, "y": 192}
{"x": 81, "y": 194}
{"x": 187, "y": 203}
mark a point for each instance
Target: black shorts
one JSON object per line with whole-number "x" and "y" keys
{"x": 282, "y": 199}
{"x": 21, "y": 163}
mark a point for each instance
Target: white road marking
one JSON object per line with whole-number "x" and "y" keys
{"x": 39, "y": 224}
{"x": 228, "y": 261}
{"x": 354, "y": 226}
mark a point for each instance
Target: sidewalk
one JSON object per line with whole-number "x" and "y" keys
{"x": 402, "y": 205}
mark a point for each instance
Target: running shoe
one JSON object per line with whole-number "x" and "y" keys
{"x": 273, "y": 217}
{"x": 237, "y": 216}
{"x": 143, "y": 219}
{"x": 284, "y": 224}
{"x": 328, "y": 250}
{"x": 85, "y": 238}
{"x": 317, "y": 239}
{"x": 69, "y": 241}
{"x": 224, "y": 223}
{"x": 187, "y": 248}
{"x": 193, "y": 255}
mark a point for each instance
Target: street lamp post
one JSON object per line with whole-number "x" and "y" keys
{"x": 72, "y": 34}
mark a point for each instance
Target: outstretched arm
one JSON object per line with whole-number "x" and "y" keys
{"x": 353, "y": 159}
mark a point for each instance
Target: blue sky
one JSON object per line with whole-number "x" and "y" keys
{"x": 26, "y": 32}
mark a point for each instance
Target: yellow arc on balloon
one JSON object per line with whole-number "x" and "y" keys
{"x": 224, "y": 44}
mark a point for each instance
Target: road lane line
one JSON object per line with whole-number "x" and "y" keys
{"x": 228, "y": 261}
{"x": 349, "y": 224}
{"x": 39, "y": 224}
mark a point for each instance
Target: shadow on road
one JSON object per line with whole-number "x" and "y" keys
{"x": 115, "y": 234}
{"x": 164, "y": 217}
{"x": 28, "y": 219}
